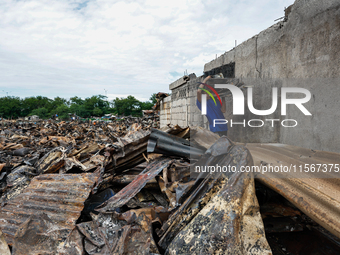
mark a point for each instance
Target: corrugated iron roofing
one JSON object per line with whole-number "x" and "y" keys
{"x": 314, "y": 193}
{"x": 60, "y": 196}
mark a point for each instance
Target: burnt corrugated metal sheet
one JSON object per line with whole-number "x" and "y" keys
{"x": 60, "y": 196}
{"x": 319, "y": 198}
{"x": 129, "y": 191}
{"x": 221, "y": 216}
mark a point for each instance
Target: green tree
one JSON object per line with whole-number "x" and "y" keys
{"x": 57, "y": 101}
{"x": 31, "y": 103}
{"x": 10, "y": 107}
{"x": 98, "y": 101}
{"x": 153, "y": 99}
{"x": 77, "y": 106}
{"x": 97, "y": 105}
{"x": 76, "y": 100}
{"x": 79, "y": 110}
{"x": 146, "y": 105}
{"x": 42, "y": 112}
{"x": 127, "y": 106}
{"x": 62, "y": 111}
{"x": 149, "y": 104}
{"x": 97, "y": 112}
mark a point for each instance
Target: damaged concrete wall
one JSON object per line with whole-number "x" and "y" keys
{"x": 302, "y": 51}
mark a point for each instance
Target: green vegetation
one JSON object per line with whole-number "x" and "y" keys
{"x": 45, "y": 108}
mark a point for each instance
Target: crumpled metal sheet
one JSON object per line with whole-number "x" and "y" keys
{"x": 221, "y": 216}
{"x": 38, "y": 235}
{"x": 229, "y": 224}
{"x": 127, "y": 152}
{"x": 66, "y": 148}
{"x": 16, "y": 182}
{"x": 73, "y": 244}
{"x": 60, "y": 196}
{"x": 51, "y": 162}
{"x": 96, "y": 160}
{"x": 136, "y": 185}
{"x": 85, "y": 151}
{"x": 71, "y": 162}
{"x": 141, "y": 234}
{"x": 58, "y": 140}
{"x": 211, "y": 214}
{"x": 316, "y": 197}
{"x": 130, "y": 234}
{"x": 42, "y": 144}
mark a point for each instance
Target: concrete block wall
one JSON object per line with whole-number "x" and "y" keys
{"x": 184, "y": 111}
{"x": 165, "y": 111}
{"x": 179, "y": 112}
{"x": 303, "y": 51}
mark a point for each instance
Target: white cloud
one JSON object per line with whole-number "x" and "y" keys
{"x": 73, "y": 47}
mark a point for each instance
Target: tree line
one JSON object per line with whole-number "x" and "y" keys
{"x": 98, "y": 105}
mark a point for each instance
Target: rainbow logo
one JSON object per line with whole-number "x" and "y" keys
{"x": 209, "y": 93}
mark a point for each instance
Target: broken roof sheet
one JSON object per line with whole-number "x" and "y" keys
{"x": 136, "y": 185}
{"x": 60, "y": 197}
{"x": 316, "y": 197}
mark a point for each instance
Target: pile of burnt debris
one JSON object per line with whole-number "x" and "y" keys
{"x": 126, "y": 188}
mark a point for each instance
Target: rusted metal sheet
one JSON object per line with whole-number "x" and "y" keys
{"x": 161, "y": 198}
{"x": 51, "y": 162}
{"x": 37, "y": 235}
{"x": 229, "y": 224}
{"x": 159, "y": 97}
{"x": 60, "y": 196}
{"x": 85, "y": 150}
{"x": 130, "y": 234}
{"x": 73, "y": 245}
{"x": 202, "y": 192}
{"x": 136, "y": 185}
{"x": 127, "y": 152}
{"x": 316, "y": 197}
{"x": 17, "y": 181}
{"x": 126, "y": 179}
{"x": 222, "y": 215}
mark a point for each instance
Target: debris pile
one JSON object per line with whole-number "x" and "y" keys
{"x": 126, "y": 188}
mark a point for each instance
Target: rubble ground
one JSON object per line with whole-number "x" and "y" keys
{"x": 126, "y": 188}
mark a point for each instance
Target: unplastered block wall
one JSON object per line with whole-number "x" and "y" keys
{"x": 302, "y": 52}
{"x": 165, "y": 111}
{"x": 184, "y": 111}
{"x": 179, "y": 111}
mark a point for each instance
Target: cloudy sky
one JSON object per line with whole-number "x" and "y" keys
{"x": 117, "y": 48}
